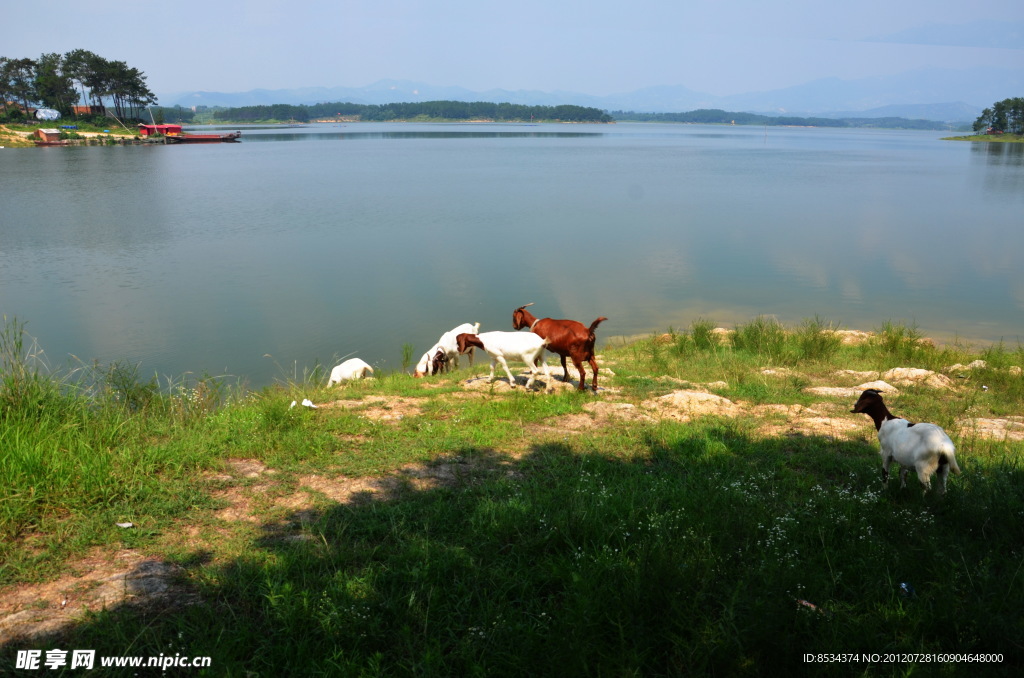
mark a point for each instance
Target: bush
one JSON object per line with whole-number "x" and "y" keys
{"x": 762, "y": 336}
{"x": 817, "y": 340}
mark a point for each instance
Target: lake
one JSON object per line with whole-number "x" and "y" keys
{"x": 308, "y": 244}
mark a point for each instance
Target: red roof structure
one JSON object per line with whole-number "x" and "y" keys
{"x": 166, "y": 130}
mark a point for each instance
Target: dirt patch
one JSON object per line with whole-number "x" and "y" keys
{"x": 380, "y": 408}
{"x": 854, "y": 375}
{"x": 126, "y": 577}
{"x": 552, "y": 384}
{"x": 797, "y": 420}
{"x": 597, "y": 416}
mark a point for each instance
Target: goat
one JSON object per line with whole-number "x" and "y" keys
{"x": 445, "y": 352}
{"x": 505, "y": 346}
{"x": 567, "y": 338}
{"x": 926, "y": 447}
{"x": 351, "y": 369}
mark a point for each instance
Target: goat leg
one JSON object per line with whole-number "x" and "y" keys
{"x": 583, "y": 373}
{"x": 511, "y": 379}
{"x": 593, "y": 366}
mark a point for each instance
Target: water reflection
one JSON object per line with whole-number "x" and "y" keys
{"x": 1000, "y": 153}
{"x": 1004, "y": 166}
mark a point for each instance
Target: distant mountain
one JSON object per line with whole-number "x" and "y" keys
{"x": 915, "y": 92}
{"x": 949, "y": 112}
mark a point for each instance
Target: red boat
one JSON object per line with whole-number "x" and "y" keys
{"x": 201, "y": 138}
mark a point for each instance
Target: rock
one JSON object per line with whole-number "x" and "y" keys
{"x": 722, "y": 334}
{"x": 850, "y": 337}
{"x": 975, "y": 365}
{"x": 1010, "y": 428}
{"x": 683, "y": 405}
{"x": 851, "y": 391}
{"x": 912, "y": 376}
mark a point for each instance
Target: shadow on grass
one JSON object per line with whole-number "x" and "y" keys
{"x": 705, "y": 552}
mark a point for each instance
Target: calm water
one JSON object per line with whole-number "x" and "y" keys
{"x": 308, "y": 244}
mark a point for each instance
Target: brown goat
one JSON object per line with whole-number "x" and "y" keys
{"x": 567, "y": 338}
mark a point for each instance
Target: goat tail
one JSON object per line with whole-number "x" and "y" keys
{"x": 593, "y": 325}
{"x": 947, "y": 458}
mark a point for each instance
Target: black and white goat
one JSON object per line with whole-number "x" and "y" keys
{"x": 505, "y": 346}
{"x": 445, "y": 352}
{"x": 924, "y": 447}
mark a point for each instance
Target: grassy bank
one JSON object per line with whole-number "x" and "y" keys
{"x": 443, "y": 526}
{"x": 1001, "y": 138}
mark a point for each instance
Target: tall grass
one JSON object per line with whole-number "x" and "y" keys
{"x": 78, "y": 448}
{"x": 762, "y": 336}
{"x": 817, "y": 340}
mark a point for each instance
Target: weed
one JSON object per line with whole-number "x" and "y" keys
{"x": 407, "y": 356}
{"x": 763, "y": 336}
{"x": 703, "y": 336}
{"x": 899, "y": 342}
{"x": 817, "y": 340}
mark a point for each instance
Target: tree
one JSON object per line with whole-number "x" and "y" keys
{"x": 5, "y": 82}
{"x": 21, "y": 83}
{"x": 54, "y": 89}
{"x": 77, "y": 68}
{"x": 1004, "y": 116}
{"x": 55, "y": 81}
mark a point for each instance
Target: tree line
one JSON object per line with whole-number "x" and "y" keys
{"x": 63, "y": 81}
{"x": 1006, "y": 116}
{"x": 718, "y": 116}
{"x": 434, "y": 110}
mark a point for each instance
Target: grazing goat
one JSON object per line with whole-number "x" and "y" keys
{"x": 445, "y": 352}
{"x": 351, "y": 369}
{"x": 505, "y": 346}
{"x": 926, "y": 447}
{"x": 566, "y": 338}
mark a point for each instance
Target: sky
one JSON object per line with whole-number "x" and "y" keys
{"x": 595, "y": 47}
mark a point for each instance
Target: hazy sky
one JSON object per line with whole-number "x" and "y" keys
{"x": 594, "y": 47}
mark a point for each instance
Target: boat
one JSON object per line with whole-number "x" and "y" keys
{"x": 201, "y": 138}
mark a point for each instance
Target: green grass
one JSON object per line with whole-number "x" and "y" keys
{"x": 635, "y": 548}
{"x": 999, "y": 138}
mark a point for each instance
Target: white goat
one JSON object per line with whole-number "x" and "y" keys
{"x": 445, "y": 352}
{"x": 351, "y": 369}
{"x": 526, "y": 347}
{"x": 925, "y": 447}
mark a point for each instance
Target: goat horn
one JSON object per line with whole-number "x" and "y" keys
{"x": 529, "y": 304}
